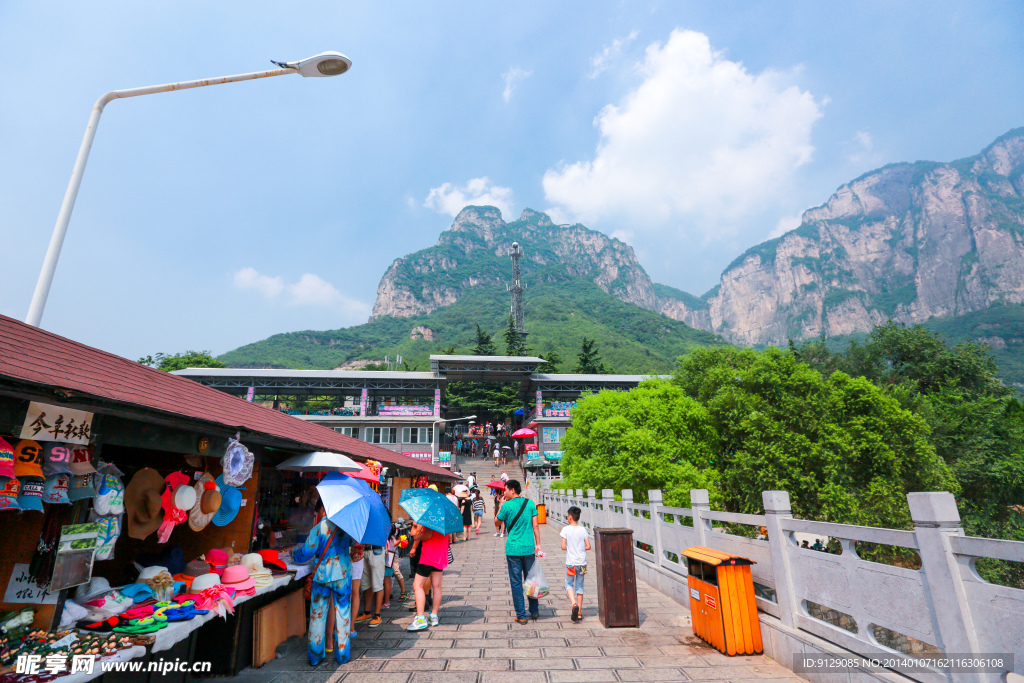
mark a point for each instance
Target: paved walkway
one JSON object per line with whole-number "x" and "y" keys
{"x": 477, "y": 640}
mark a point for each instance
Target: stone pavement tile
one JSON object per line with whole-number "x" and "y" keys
{"x": 251, "y": 676}
{"x": 389, "y": 654}
{"x": 719, "y": 673}
{"x": 352, "y": 665}
{"x": 375, "y": 677}
{"x": 621, "y": 651}
{"x": 680, "y": 649}
{"x": 414, "y": 665}
{"x": 772, "y": 670}
{"x": 543, "y": 625}
{"x": 528, "y": 642}
{"x": 592, "y": 676}
{"x": 543, "y": 664}
{"x": 652, "y": 675}
{"x": 480, "y": 642}
{"x": 436, "y": 642}
{"x": 669, "y": 661}
{"x": 592, "y": 641}
{"x": 608, "y": 663}
{"x": 296, "y": 677}
{"x": 513, "y": 677}
{"x": 478, "y": 665}
{"x": 452, "y": 653}
{"x": 644, "y": 639}
{"x": 445, "y": 677}
{"x": 511, "y": 652}
{"x": 575, "y": 652}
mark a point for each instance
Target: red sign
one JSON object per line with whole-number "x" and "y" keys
{"x": 709, "y": 600}
{"x": 530, "y": 447}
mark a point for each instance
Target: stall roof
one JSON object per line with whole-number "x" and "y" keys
{"x": 70, "y": 372}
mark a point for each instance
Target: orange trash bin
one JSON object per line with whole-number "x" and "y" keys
{"x": 722, "y": 606}
{"x": 542, "y": 513}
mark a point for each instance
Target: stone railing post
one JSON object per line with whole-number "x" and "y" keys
{"x": 936, "y": 519}
{"x": 656, "y": 500}
{"x": 700, "y": 500}
{"x": 607, "y": 519}
{"x": 776, "y": 509}
{"x": 627, "y": 509}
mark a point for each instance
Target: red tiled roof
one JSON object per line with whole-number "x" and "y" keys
{"x": 33, "y": 355}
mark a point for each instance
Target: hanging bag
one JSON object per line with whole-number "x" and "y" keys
{"x": 536, "y": 584}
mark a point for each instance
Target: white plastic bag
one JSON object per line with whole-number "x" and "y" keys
{"x": 536, "y": 584}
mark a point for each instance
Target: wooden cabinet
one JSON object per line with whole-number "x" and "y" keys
{"x": 617, "y": 605}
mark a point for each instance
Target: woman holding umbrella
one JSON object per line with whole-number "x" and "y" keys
{"x": 329, "y": 546}
{"x": 434, "y": 516}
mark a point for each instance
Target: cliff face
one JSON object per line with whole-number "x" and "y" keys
{"x": 907, "y": 242}
{"x": 476, "y": 250}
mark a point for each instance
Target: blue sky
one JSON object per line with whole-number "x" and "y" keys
{"x": 218, "y": 216}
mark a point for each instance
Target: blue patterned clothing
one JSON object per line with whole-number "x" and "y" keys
{"x": 336, "y": 567}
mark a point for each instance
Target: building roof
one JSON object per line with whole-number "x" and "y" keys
{"x": 495, "y": 359}
{"x": 276, "y": 372}
{"x": 34, "y": 358}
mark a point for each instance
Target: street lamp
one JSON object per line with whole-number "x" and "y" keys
{"x": 321, "y": 65}
{"x": 433, "y": 440}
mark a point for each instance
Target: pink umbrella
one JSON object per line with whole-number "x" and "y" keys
{"x": 524, "y": 432}
{"x": 365, "y": 474}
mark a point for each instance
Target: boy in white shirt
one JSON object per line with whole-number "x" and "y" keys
{"x": 575, "y": 543}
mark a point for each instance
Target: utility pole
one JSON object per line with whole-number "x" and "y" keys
{"x": 516, "y": 288}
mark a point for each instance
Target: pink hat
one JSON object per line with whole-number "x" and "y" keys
{"x": 237, "y": 577}
{"x": 218, "y": 561}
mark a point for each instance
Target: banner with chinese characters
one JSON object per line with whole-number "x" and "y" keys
{"x": 437, "y": 403}
{"x": 44, "y": 422}
{"x": 540, "y": 403}
{"x": 362, "y": 403}
{"x": 444, "y": 459}
{"x": 554, "y": 456}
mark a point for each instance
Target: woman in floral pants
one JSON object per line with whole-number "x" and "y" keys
{"x": 329, "y": 547}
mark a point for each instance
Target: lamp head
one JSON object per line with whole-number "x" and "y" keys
{"x": 321, "y": 65}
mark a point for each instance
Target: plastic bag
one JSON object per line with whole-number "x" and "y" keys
{"x": 536, "y": 584}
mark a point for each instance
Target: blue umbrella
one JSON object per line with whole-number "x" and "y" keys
{"x": 432, "y": 510}
{"x": 518, "y": 411}
{"x": 356, "y": 508}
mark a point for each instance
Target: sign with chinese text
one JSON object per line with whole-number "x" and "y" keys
{"x": 251, "y": 394}
{"x": 533, "y": 455}
{"x": 710, "y": 601}
{"x": 550, "y": 434}
{"x": 437, "y": 403}
{"x": 540, "y": 403}
{"x": 444, "y": 459}
{"x": 530, "y": 447}
{"x": 44, "y": 422}
{"x": 22, "y": 588}
{"x": 419, "y": 456}
{"x": 554, "y": 456}
{"x": 362, "y": 403}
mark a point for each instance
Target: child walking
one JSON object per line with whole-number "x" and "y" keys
{"x": 575, "y": 543}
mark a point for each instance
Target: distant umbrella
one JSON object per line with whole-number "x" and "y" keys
{"x": 320, "y": 461}
{"x": 525, "y": 431}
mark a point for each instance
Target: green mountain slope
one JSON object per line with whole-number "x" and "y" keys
{"x": 558, "y": 316}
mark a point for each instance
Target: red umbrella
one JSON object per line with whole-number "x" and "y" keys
{"x": 524, "y": 432}
{"x": 496, "y": 484}
{"x": 364, "y": 474}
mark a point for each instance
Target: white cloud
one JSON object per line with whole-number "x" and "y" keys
{"x": 602, "y": 61}
{"x": 623, "y": 236}
{"x": 860, "y": 148}
{"x": 310, "y": 290}
{"x": 700, "y": 144}
{"x": 449, "y": 199}
{"x": 785, "y": 224}
{"x": 513, "y": 77}
{"x": 250, "y": 278}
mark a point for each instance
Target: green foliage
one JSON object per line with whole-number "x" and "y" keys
{"x": 588, "y": 361}
{"x": 654, "y": 437}
{"x": 486, "y": 400}
{"x": 666, "y": 292}
{"x": 552, "y": 361}
{"x": 558, "y": 316}
{"x": 515, "y": 343}
{"x": 484, "y": 345}
{"x": 180, "y": 361}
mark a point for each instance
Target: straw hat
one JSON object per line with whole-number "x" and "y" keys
{"x": 143, "y": 503}
{"x": 254, "y": 563}
{"x": 207, "y": 502}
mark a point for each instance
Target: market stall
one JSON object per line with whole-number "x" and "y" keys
{"x": 132, "y": 504}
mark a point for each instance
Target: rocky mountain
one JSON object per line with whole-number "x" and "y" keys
{"x": 908, "y": 242}
{"x": 476, "y": 250}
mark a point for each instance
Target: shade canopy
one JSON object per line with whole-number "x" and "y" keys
{"x": 320, "y": 461}
{"x": 524, "y": 432}
{"x": 365, "y": 474}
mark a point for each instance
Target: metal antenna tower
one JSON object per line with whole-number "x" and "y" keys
{"x": 516, "y": 288}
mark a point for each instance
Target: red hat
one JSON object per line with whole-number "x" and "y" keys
{"x": 273, "y": 559}
{"x": 177, "y": 499}
{"x": 218, "y": 561}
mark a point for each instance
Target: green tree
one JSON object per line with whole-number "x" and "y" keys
{"x": 551, "y": 362}
{"x": 180, "y": 361}
{"x": 844, "y": 450}
{"x": 515, "y": 343}
{"x": 653, "y": 437}
{"x": 484, "y": 345}
{"x": 588, "y": 361}
{"x": 488, "y": 400}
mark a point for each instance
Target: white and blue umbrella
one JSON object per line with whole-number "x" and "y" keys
{"x": 356, "y": 508}
{"x": 320, "y": 461}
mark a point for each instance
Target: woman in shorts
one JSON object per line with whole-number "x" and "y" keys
{"x": 356, "y": 555}
{"x": 479, "y": 507}
{"x": 433, "y": 560}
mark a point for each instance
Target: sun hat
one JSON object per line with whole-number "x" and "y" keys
{"x": 191, "y": 571}
{"x": 204, "y": 581}
{"x": 109, "y": 491}
{"x": 218, "y": 560}
{"x": 55, "y": 490}
{"x": 142, "y": 502}
{"x": 152, "y": 572}
{"x": 81, "y": 460}
{"x": 253, "y": 562}
{"x": 7, "y": 460}
{"x": 237, "y": 577}
{"x": 230, "y": 503}
{"x": 30, "y": 497}
{"x": 138, "y": 592}
{"x": 208, "y": 500}
{"x": 28, "y": 459}
{"x": 236, "y": 463}
{"x": 272, "y": 558}
{"x": 177, "y": 499}
{"x": 96, "y": 587}
{"x": 56, "y": 458}
{"x": 82, "y": 487}
{"x": 9, "y": 488}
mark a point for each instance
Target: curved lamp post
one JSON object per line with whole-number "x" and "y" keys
{"x": 321, "y": 65}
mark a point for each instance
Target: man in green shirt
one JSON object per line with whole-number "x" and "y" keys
{"x": 522, "y": 545}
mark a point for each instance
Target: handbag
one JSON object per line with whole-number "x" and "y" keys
{"x": 307, "y": 590}
{"x": 389, "y": 558}
{"x": 451, "y": 558}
